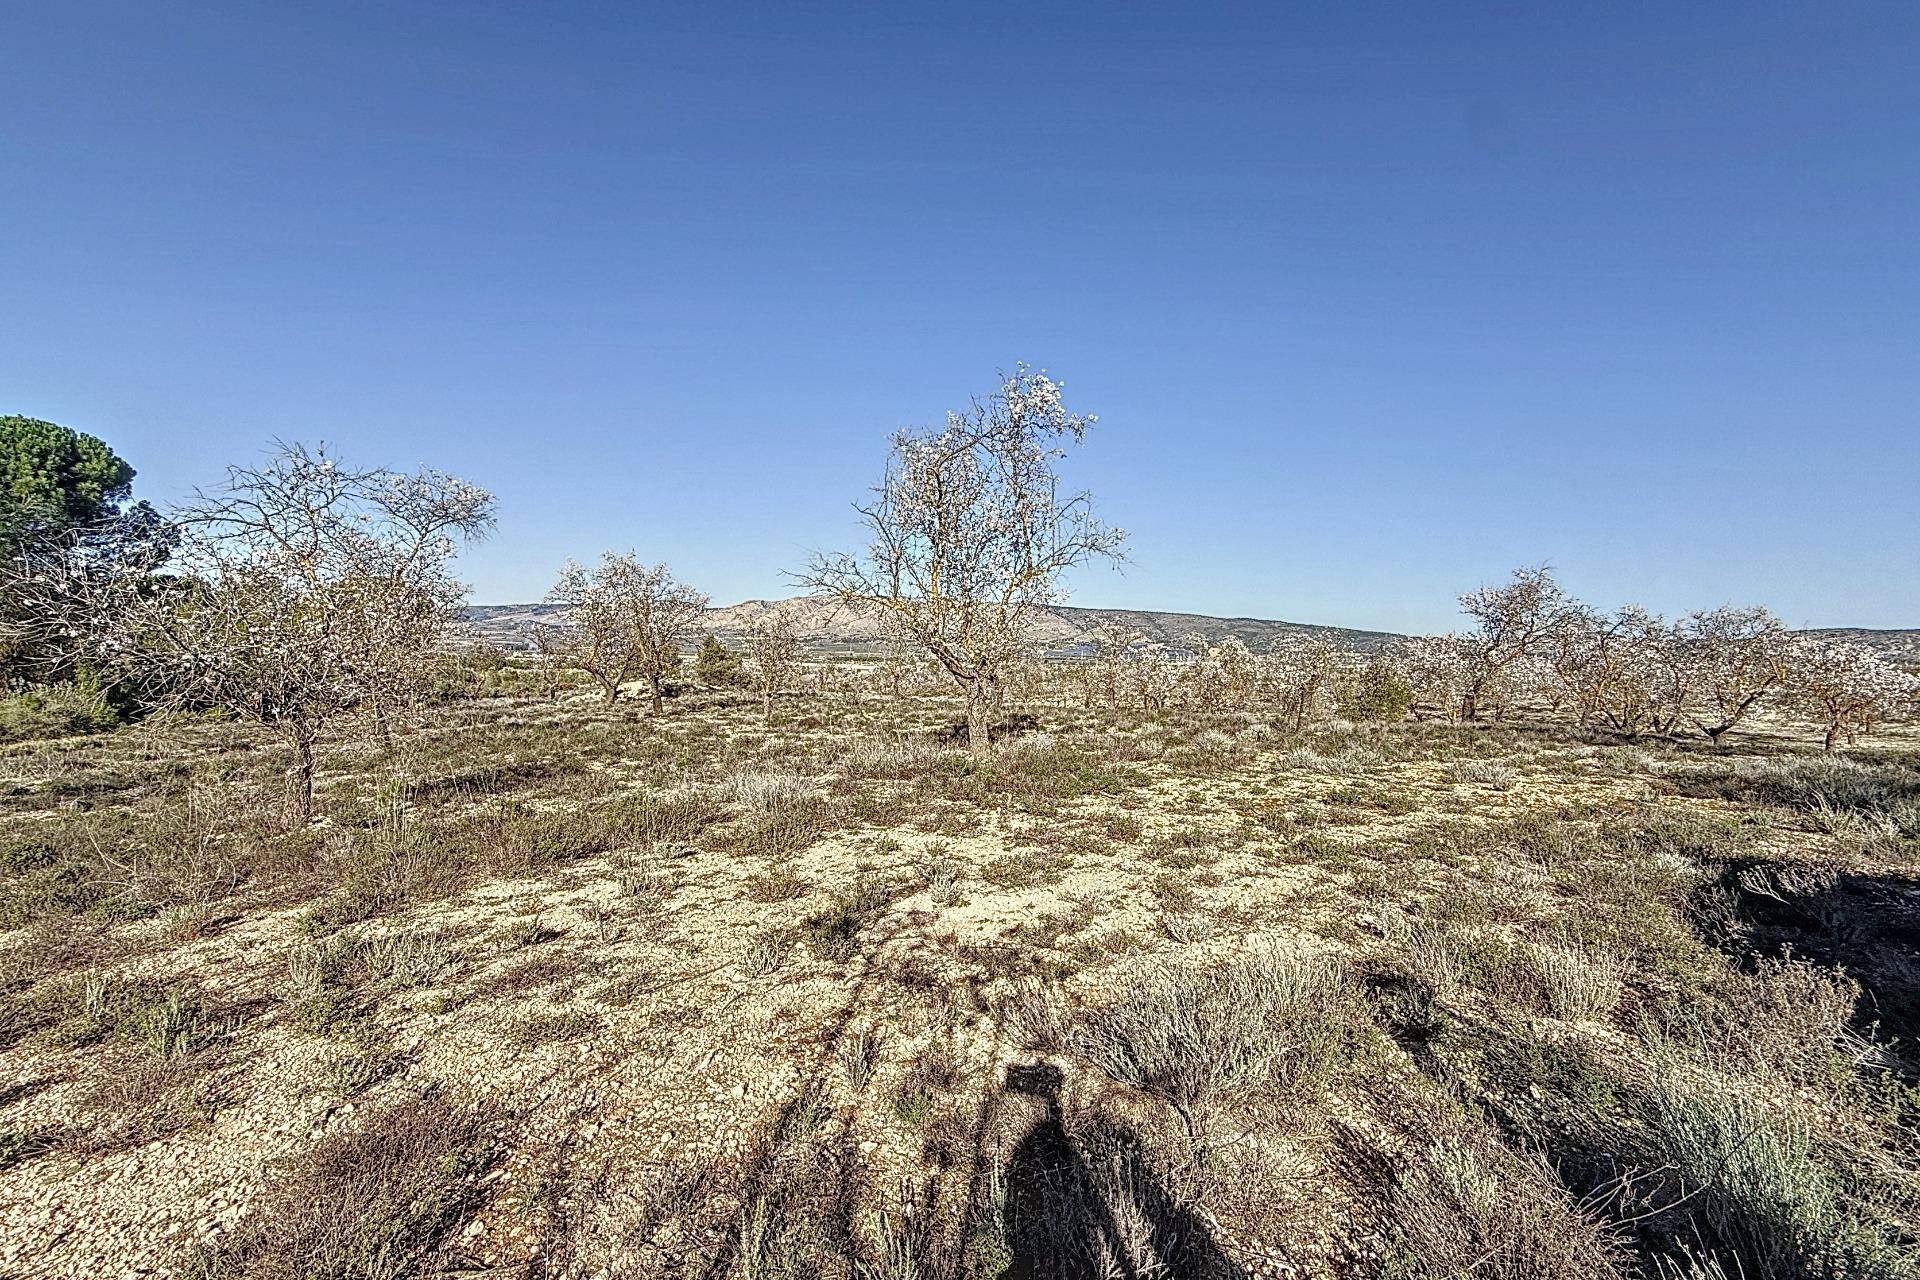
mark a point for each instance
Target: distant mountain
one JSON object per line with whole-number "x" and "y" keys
{"x": 1900, "y": 644}
{"x": 828, "y": 624}
{"x": 1256, "y": 633}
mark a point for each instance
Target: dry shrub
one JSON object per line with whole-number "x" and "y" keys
{"x": 373, "y": 1203}
{"x": 1573, "y": 983}
{"x": 1192, "y": 1036}
{"x": 1087, "y": 1199}
{"x": 766, "y": 791}
{"x": 1788, "y": 1016}
{"x": 1467, "y": 1206}
{"x": 1488, "y": 773}
{"x": 1038, "y": 1018}
{"x": 143, "y": 1097}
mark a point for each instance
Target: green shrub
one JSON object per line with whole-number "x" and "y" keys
{"x": 1751, "y": 1184}
{"x": 1375, "y": 692}
{"x": 31, "y": 711}
{"x": 717, "y": 666}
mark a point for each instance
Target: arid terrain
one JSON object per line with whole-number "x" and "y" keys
{"x": 562, "y": 988}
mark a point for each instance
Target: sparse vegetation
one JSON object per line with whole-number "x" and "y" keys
{"x": 1540, "y": 950}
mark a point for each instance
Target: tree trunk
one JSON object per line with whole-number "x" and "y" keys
{"x": 653, "y": 683}
{"x": 766, "y": 704}
{"x": 300, "y": 777}
{"x": 1833, "y": 733}
{"x": 979, "y": 720}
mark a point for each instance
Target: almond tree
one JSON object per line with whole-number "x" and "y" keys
{"x": 775, "y": 651}
{"x": 1435, "y": 669}
{"x": 1847, "y": 688}
{"x": 1735, "y": 659}
{"x": 1297, "y": 675}
{"x": 1619, "y": 669}
{"x": 627, "y": 621}
{"x": 970, "y": 536}
{"x": 300, "y": 592}
{"x": 1106, "y": 667}
{"x": 1515, "y": 620}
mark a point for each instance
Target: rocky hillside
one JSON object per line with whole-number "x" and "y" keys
{"x": 1900, "y": 644}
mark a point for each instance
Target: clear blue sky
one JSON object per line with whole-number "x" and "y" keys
{"x": 1375, "y": 301}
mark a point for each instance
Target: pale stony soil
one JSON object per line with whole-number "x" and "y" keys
{"x": 643, "y": 1017}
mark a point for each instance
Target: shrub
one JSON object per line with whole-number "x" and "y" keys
{"x": 1750, "y": 1184}
{"x": 1573, "y": 983}
{"x": 834, "y": 934}
{"x": 376, "y": 1203}
{"x": 31, "y": 711}
{"x": 1831, "y": 787}
{"x": 717, "y": 666}
{"x": 1467, "y": 1206}
{"x": 1490, "y": 773}
{"x": 1375, "y": 692}
{"x": 1191, "y": 1036}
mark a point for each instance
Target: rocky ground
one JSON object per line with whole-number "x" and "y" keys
{"x": 562, "y": 989}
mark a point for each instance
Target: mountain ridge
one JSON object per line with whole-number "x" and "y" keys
{"x": 825, "y": 622}
{"x": 828, "y": 624}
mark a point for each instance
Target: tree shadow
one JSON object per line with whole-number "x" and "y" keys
{"x": 1082, "y": 1203}
{"x": 1863, "y": 925}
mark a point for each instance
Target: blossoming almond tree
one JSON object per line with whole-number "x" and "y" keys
{"x": 626, "y": 621}
{"x": 775, "y": 651}
{"x": 1847, "y": 688}
{"x": 1736, "y": 658}
{"x": 299, "y": 592}
{"x": 970, "y": 536}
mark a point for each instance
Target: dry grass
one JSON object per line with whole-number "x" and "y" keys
{"x": 1139, "y": 994}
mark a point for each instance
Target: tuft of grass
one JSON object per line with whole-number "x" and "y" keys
{"x": 1484, "y": 773}
{"x": 1467, "y": 1206}
{"x": 557, "y": 1027}
{"x": 1193, "y": 1036}
{"x": 1573, "y": 983}
{"x": 1189, "y": 928}
{"x": 834, "y": 934}
{"x": 408, "y": 958}
{"x": 858, "y": 1054}
{"x": 764, "y": 955}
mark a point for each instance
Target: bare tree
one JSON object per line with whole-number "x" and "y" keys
{"x": 627, "y": 621}
{"x": 300, "y": 591}
{"x": 971, "y": 535}
{"x": 775, "y": 651}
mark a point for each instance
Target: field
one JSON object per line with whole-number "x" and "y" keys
{"x": 558, "y": 988}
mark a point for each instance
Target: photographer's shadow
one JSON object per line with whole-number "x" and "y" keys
{"x": 1093, "y": 1209}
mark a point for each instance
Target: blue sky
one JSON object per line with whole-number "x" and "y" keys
{"x": 1375, "y": 301}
